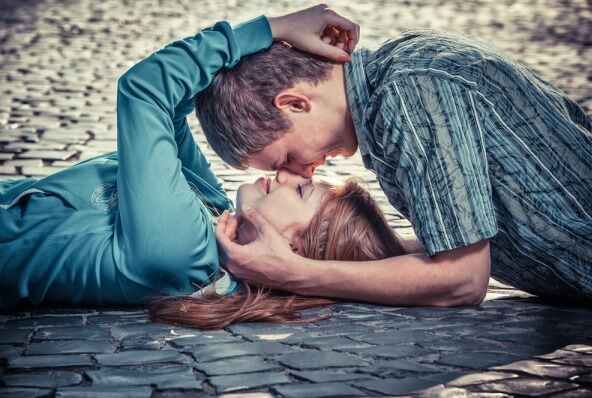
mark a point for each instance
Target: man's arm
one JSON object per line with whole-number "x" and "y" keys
{"x": 451, "y": 278}
{"x": 456, "y": 277}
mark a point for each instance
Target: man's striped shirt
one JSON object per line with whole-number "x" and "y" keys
{"x": 469, "y": 145}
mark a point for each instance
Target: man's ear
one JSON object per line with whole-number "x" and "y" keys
{"x": 292, "y": 101}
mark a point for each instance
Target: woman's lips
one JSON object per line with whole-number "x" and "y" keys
{"x": 263, "y": 182}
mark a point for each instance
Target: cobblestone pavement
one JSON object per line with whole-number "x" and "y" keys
{"x": 59, "y": 61}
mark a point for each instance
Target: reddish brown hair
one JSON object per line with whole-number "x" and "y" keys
{"x": 349, "y": 226}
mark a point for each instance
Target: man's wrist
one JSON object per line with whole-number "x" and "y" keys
{"x": 297, "y": 269}
{"x": 305, "y": 275}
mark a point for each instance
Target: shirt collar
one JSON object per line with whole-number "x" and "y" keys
{"x": 358, "y": 96}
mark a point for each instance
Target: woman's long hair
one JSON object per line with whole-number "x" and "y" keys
{"x": 349, "y": 226}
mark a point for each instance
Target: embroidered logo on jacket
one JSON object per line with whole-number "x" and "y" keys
{"x": 104, "y": 197}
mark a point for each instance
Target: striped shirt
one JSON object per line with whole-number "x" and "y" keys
{"x": 469, "y": 145}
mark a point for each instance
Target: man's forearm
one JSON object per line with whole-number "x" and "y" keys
{"x": 413, "y": 279}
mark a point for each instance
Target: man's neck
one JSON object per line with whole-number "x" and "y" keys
{"x": 348, "y": 138}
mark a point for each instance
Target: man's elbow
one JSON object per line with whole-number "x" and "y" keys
{"x": 470, "y": 288}
{"x": 470, "y": 293}
{"x": 476, "y": 291}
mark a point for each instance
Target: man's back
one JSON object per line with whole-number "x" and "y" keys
{"x": 471, "y": 146}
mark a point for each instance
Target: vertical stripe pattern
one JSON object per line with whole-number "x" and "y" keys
{"x": 470, "y": 145}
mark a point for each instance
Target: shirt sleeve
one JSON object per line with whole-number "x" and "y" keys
{"x": 434, "y": 142}
{"x": 164, "y": 232}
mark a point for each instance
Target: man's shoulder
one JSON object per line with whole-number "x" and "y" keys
{"x": 422, "y": 43}
{"x": 429, "y": 52}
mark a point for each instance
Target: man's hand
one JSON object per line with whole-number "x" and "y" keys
{"x": 265, "y": 261}
{"x": 318, "y": 30}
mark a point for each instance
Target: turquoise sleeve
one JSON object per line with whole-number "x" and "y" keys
{"x": 251, "y": 37}
{"x": 164, "y": 231}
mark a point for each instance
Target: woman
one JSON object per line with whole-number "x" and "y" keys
{"x": 136, "y": 223}
{"x": 320, "y": 221}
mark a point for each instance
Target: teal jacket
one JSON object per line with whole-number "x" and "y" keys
{"x": 125, "y": 226}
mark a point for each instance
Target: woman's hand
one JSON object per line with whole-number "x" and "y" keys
{"x": 265, "y": 261}
{"x": 318, "y": 30}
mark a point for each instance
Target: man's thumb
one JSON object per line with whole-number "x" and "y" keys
{"x": 259, "y": 222}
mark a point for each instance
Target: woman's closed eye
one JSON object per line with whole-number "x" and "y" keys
{"x": 300, "y": 191}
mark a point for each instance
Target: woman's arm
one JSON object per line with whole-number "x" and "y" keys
{"x": 164, "y": 234}
{"x": 163, "y": 231}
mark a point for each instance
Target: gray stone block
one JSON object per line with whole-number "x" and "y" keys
{"x": 403, "y": 386}
{"x": 49, "y": 379}
{"x": 142, "y": 357}
{"x": 10, "y": 392}
{"x": 70, "y": 347}
{"x": 14, "y": 336}
{"x": 333, "y": 343}
{"x": 141, "y": 342}
{"x": 476, "y": 360}
{"x": 319, "y": 390}
{"x": 154, "y": 330}
{"x": 389, "y": 351}
{"x": 327, "y": 376}
{"x": 317, "y": 360}
{"x": 49, "y": 155}
{"x": 205, "y": 338}
{"x": 73, "y": 333}
{"x": 236, "y": 366}
{"x": 45, "y": 321}
{"x": 396, "y": 337}
{"x": 49, "y": 361}
{"x": 220, "y": 351}
{"x": 247, "y": 381}
{"x": 104, "y": 392}
{"x": 9, "y": 351}
{"x": 169, "y": 376}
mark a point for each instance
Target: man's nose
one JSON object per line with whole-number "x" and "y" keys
{"x": 285, "y": 176}
{"x": 306, "y": 171}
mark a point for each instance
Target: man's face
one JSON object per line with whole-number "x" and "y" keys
{"x": 303, "y": 149}
{"x": 321, "y": 127}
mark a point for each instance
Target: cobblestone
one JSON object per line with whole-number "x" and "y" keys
{"x": 169, "y": 376}
{"x": 59, "y": 61}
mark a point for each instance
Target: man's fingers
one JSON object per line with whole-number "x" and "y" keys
{"x": 231, "y": 249}
{"x": 232, "y": 227}
{"x": 343, "y": 24}
{"x": 221, "y": 223}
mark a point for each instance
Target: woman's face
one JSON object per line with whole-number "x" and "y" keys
{"x": 288, "y": 201}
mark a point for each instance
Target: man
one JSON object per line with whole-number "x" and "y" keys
{"x": 491, "y": 164}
